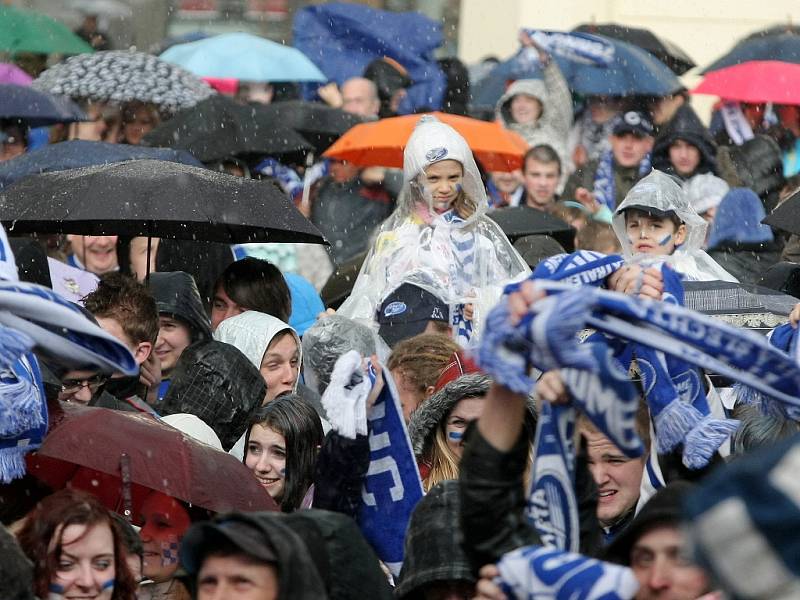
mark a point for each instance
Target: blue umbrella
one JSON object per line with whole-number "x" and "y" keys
{"x": 81, "y": 153}
{"x": 784, "y": 47}
{"x": 245, "y": 57}
{"x": 37, "y": 108}
{"x": 632, "y": 72}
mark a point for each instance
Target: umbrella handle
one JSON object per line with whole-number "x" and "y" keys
{"x": 307, "y": 182}
{"x": 125, "y": 472}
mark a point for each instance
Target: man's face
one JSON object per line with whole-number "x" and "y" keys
{"x": 507, "y": 183}
{"x": 98, "y": 253}
{"x": 223, "y": 307}
{"x": 657, "y": 560}
{"x": 685, "y": 157}
{"x": 80, "y": 386}
{"x": 236, "y": 577}
{"x": 617, "y": 477}
{"x": 140, "y": 351}
{"x": 359, "y": 97}
{"x": 629, "y": 149}
{"x": 541, "y": 181}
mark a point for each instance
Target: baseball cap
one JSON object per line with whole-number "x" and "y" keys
{"x": 635, "y": 122}
{"x": 208, "y": 536}
{"x": 406, "y": 312}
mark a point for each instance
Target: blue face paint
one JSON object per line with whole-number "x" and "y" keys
{"x": 455, "y": 436}
{"x": 667, "y": 239}
{"x": 56, "y": 589}
{"x": 108, "y": 585}
{"x": 282, "y": 473}
{"x": 459, "y": 188}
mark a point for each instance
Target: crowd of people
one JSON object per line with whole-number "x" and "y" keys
{"x": 474, "y": 417}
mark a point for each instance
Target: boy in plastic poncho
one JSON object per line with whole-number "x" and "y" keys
{"x": 657, "y": 220}
{"x": 439, "y": 237}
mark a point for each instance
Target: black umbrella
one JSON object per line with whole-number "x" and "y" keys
{"x": 664, "y": 50}
{"x": 218, "y": 128}
{"x": 35, "y": 108}
{"x": 154, "y": 198}
{"x": 784, "y": 47}
{"x": 340, "y": 283}
{"x": 786, "y": 216}
{"x": 319, "y": 124}
{"x": 520, "y": 221}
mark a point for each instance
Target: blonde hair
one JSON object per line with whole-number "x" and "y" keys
{"x": 444, "y": 462}
{"x": 422, "y": 358}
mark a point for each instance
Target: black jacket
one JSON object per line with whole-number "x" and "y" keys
{"x": 685, "y": 125}
{"x": 746, "y": 262}
{"x": 339, "y": 473}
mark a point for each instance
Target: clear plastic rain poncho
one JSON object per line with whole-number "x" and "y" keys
{"x": 661, "y": 192}
{"x": 460, "y": 255}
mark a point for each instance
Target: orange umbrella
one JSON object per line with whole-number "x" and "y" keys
{"x": 381, "y": 143}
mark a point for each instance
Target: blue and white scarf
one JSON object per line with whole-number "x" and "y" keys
{"x": 583, "y": 267}
{"x": 605, "y": 187}
{"x": 462, "y": 269}
{"x": 537, "y": 573}
{"x": 576, "y": 47}
{"x": 392, "y": 485}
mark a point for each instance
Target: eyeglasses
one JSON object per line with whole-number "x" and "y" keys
{"x": 73, "y": 386}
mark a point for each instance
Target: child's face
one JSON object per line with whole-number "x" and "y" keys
{"x": 443, "y": 182}
{"x": 649, "y": 234}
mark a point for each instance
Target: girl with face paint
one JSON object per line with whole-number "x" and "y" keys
{"x": 76, "y": 549}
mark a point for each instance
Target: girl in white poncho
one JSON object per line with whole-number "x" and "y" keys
{"x": 439, "y": 237}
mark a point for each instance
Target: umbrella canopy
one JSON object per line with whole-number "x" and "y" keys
{"x": 35, "y": 108}
{"x": 784, "y": 47}
{"x": 154, "y": 455}
{"x": 82, "y": 153}
{"x": 28, "y": 31}
{"x": 632, "y": 72}
{"x": 786, "y": 216}
{"x": 219, "y": 128}
{"x": 520, "y": 221}
{"x": 664, "y": 50}
{"x": 123, "y": 76}
{"x": 754, "y": 81}
{"x": 157, "y": 199}
{"x": 10, "y": 73}
{"x": 318, "y": 123}
{"x": 340, "y": 283}
{"x": 381, "y": 143}
{"x": 243, "y": 56}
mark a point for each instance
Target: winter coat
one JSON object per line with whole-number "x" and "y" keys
{"x": 346, "y": 562}
{"x": 217, "y": 383}
{"x": 685, "y": 125}
{"x": 552, "y": 127}
{"x": 339, "y": 473}
{"x": 176, "y": 294}
{"x": 746, "y": 262}
{"x": 348, "y": 213}
{"x": 433, "y": 551}
{"x": 16, "y": 570}
{"x": 624, "y": 179}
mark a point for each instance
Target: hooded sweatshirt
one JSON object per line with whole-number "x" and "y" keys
{"x": 685, "y": 125}
{"x": 552, "y": 127}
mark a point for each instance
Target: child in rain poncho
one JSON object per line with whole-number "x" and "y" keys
{"x": 439, "y": 237}
{"x": 656, "y": 219}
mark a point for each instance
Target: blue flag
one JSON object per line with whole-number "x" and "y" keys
{"x": 392, "y": 486}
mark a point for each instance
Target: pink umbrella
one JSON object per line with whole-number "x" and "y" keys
{"x": 13, "y": 74}
{"x": 754, "y": 81}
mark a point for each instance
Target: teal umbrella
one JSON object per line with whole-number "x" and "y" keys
{"x": 28, "y": 31}
{"x": 245, "y": 57}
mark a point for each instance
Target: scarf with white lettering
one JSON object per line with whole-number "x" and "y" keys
{"x": 537, "y": 573}
{"x": 392, "y": 486}
{"x": 605, "y": 186}
{"x": 575, "y": 47}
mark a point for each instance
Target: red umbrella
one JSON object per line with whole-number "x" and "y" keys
{"x": 754, "y": 81}
{"x": 98, "y": 449}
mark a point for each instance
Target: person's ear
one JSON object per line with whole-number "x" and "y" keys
{"x": 429, "y": 391}
{"x": 680, "y": 234}
{"x": 142, "y": 353}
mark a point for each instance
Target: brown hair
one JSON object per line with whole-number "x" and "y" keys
{"x": 40, "y": 538}
{"x": 596, "y": 236}
{"x": 129, "y": 303}
{"x": 422, "y": 358}
{"x": 542, "y": 153}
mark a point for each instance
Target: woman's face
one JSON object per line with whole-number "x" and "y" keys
{"x": 464, "y": 412}
{"x": 443, "y": 182}
{"x": 85, "y": 567}
{"x": 138, "y": 123}
{"x": 266, "y": 457}
{"x": 97, "y": 253}
{"x": 280, "y": 365}
{"x": 138, "y": 256}
{"x": 174, "y": 337}
{"x": 165, "y": 524}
